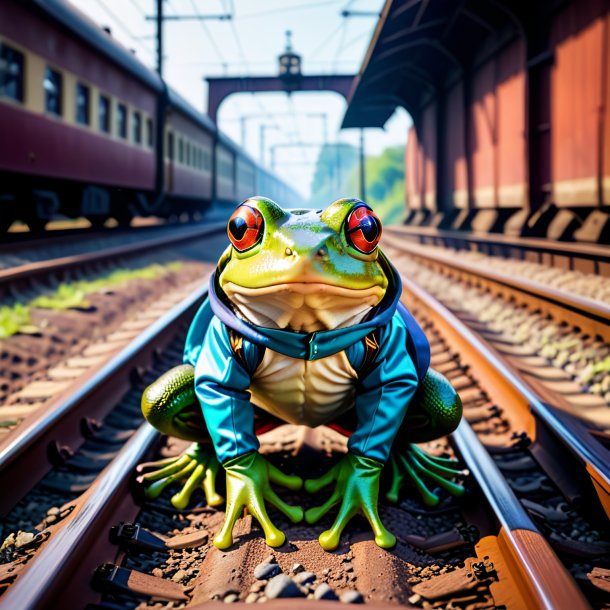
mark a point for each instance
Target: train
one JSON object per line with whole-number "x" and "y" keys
{"x": 88, "y": 130}
{"x": 510, "y": 106}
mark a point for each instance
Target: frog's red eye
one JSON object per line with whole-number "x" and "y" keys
{"x": 246, "y": 227}
{"x": 363, "y": 229}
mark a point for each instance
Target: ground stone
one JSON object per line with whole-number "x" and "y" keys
{"x": 304, "y": 578}
{"x": 282, "y": 586}
{"x": 179, "y": 576}
{"x": 324, "y": 592}
{"x": 352, "y": 597}
{"x": 266, "y": 570}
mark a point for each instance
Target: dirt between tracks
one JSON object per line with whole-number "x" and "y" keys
{"x": 62, "y": 334}
{"x": 358, "y": 571}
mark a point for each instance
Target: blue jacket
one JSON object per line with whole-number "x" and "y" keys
{"x": 384, "y": 390}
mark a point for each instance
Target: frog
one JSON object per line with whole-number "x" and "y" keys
{"x": 303, "y": 324}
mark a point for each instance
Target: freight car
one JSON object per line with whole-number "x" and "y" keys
{"x": 510, "y": 104}
{"x": 88, "y": 130}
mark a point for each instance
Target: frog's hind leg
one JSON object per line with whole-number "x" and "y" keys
{"x": 170, "y": 405}
{"x": 435, "y": 411}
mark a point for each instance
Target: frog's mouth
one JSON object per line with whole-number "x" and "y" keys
{"x": 303, "y": 306}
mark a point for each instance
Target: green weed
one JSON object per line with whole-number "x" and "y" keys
{"x": 73, "y": 295}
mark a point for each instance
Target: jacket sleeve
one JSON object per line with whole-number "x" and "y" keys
{"x": 196, "y": 333}
{"x": 384, "y": 395}
{"x": 221, "y": 385}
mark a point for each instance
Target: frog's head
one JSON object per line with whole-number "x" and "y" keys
{"x": 303, "y": 269}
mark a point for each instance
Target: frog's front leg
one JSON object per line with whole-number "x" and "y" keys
{"x": 356, "y": 488}
{"x": 249, "y": 479}
{"x": 170, "y": 405}
{"x": 435, "y": 411}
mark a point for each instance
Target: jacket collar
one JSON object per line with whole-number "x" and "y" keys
{"x": 316, "y": 345}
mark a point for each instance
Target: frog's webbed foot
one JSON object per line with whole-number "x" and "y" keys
{"x": 356, "y": 481}
{"x": 249, "y": 479}
{"x": 198, "y": 467}
{"x": 413, "y": 464}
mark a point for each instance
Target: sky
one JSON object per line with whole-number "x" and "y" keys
{"x": 249, "y": 44}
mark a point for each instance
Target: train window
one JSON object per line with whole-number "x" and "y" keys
{"x": 121, "y": 121}
{"x": 11, "y": 73}
{"x": 170, "y": 145}
{"x": 82, "y": 104}
{"x": 52, "y": 91}
{"x": 104, "y": 114}
{"x": 188, "y": 153}
{"x": 149, "y": 132}
{"x": 136, "y": 127}
{"x": 180, "y": 150}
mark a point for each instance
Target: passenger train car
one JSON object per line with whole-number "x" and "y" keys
{"x": 86, "y": 129}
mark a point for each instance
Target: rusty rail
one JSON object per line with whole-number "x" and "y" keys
{"x": 585, "y": 308}
{"x": 43, "y": 268}
{"x": 570, "y": 432}
{"x": 490, "y": 242}
{"x": 86, "y": 529}
{"x": 24, "y": 455}
{"x": 534, "y": 565}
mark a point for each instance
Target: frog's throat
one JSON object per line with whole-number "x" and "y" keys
{"x": 303, "y": 306}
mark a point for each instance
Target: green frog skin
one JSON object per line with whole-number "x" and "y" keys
{"x": 303, "y": 325}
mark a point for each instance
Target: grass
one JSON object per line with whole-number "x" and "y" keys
{"x": 16, "y": 318}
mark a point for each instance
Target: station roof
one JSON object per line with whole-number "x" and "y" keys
{"x": 417, "y": 46}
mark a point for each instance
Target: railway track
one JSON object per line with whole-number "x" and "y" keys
{"x": 550, "y": 462}
{"x": 66, "y": 349}
{"x": 17, "y": 246}
{"x": 54, "y": 258}
{"x": 514, "y": 563}
{"x": 510, "y": 542}
{"x": 557, "y": 340}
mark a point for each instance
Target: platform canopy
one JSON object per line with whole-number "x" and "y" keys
{"x": 419, "y": 46}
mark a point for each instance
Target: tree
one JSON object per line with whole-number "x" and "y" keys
{"x": 385, "y": 180}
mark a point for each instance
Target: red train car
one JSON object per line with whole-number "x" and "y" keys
{"x": 189, "y": 152}
{"x": 88, "y": 130}
{"x": 76, "y": 127}
{"x": 510, "y": 105}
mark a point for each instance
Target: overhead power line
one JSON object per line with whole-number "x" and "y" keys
{"x": 289, "y": 9}
{"x": 116, "y": 20}
{"x": 219, "y": 17}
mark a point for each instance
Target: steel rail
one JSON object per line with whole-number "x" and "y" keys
{"x": 24, "y": 455}
{"x": 43, "y": 268}
{"x": 570, "y": 301}
{"x": 549, "y": 585}
{"x": 546, "y": 580}
{"x": 571, "y": 434}
{"x": 66, "y": 549}
{"x": 15, "y": 242}
{"x": 539, "y": 245}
